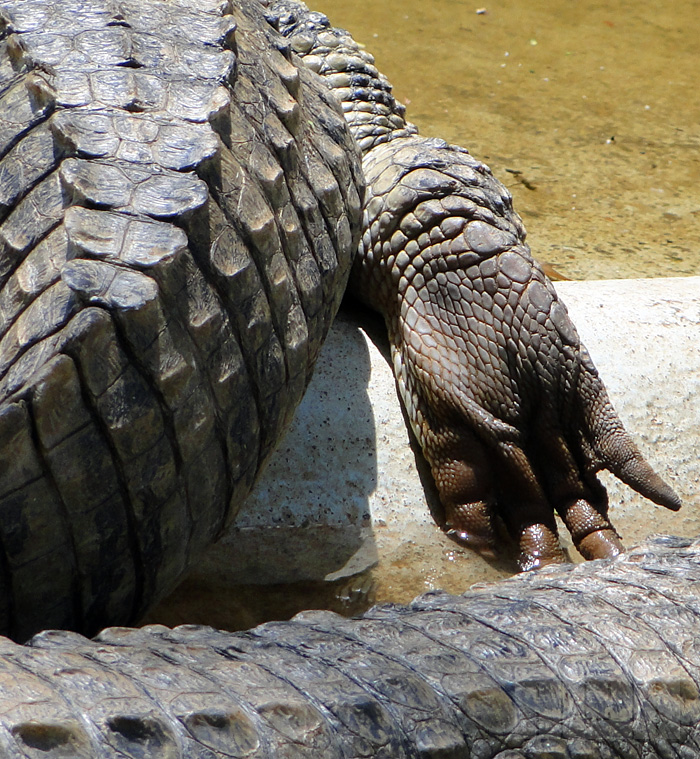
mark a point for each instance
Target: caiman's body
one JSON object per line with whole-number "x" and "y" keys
{"x": 594, "y": 662}
{"x": 177, "y": 231}
{"x": 180, "y": 201}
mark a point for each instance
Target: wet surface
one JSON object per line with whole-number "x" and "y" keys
{"x": 198, "y": 600}
{"x": 587, "y": 111}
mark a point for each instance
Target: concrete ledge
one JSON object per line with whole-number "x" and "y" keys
{"x": 342, "y": 493}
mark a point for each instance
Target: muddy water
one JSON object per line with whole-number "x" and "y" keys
{"x": 588, "y": 111}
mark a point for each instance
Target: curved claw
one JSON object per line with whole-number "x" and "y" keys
{"x": 624, "y": 460}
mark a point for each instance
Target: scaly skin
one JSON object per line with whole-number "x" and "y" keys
{"x": 503, "y": 397}
{"x": 598, "y": 661}
{"x": 179, "y": 207}
{"x": 106, "y": 313}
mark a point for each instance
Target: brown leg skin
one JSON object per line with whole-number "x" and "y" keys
{"x": 464, "y": 482}
{"x": 526, "y": 511}
{"x": 466, "y": 491}
{"x": 468, "y": 494}
{"x": 470, "y": 517}
{"x": 491, "y": 369}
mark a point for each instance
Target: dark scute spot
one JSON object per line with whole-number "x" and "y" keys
{"x": 676, "y": 697}
{"x": 544, "y": 696}
{"x": 130, "y": 63}
{"x": 230, "y": 732}
{"x": 439, "y": 741}
{"x": 366, "y": 717}
{"x": 51, "y": 739}
{"x": 406, "y": 689}
{"x": 491, "y": 708}
{"x": 141, "y": 736}
{"x": 611, "y": 697}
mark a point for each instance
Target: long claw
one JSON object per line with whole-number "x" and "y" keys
{"x": 638, "y": 474}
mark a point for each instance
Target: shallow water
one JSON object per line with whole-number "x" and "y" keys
{"x": 587, "y": 111}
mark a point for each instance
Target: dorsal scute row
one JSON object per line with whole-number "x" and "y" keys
{"x": 179, "y": 206}
{"x": 371, "y": 110}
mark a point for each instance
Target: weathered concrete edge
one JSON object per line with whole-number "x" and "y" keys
{"x": 343, "y": 488}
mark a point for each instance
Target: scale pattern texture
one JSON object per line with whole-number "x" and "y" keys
{"x": 179, "y": 206}
{"x": 597, "y": 661}
{"x": 510, "y": 412}
{"x": 178, "y": 211}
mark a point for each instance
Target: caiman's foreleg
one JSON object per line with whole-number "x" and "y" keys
{"x": 503, "y": 397}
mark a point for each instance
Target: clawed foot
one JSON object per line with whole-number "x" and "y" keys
{"x": 517, "y": 440}
{"x": 537, "y": 544}
{"x": 504, "y": 399}
{"x": 495, "y": 496}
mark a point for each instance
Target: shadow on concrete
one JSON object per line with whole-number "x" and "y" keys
{"x": 304, "y": 538}
{"x": 344, "y": 460}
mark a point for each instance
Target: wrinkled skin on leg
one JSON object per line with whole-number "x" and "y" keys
{"x": 502, "y": 396}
